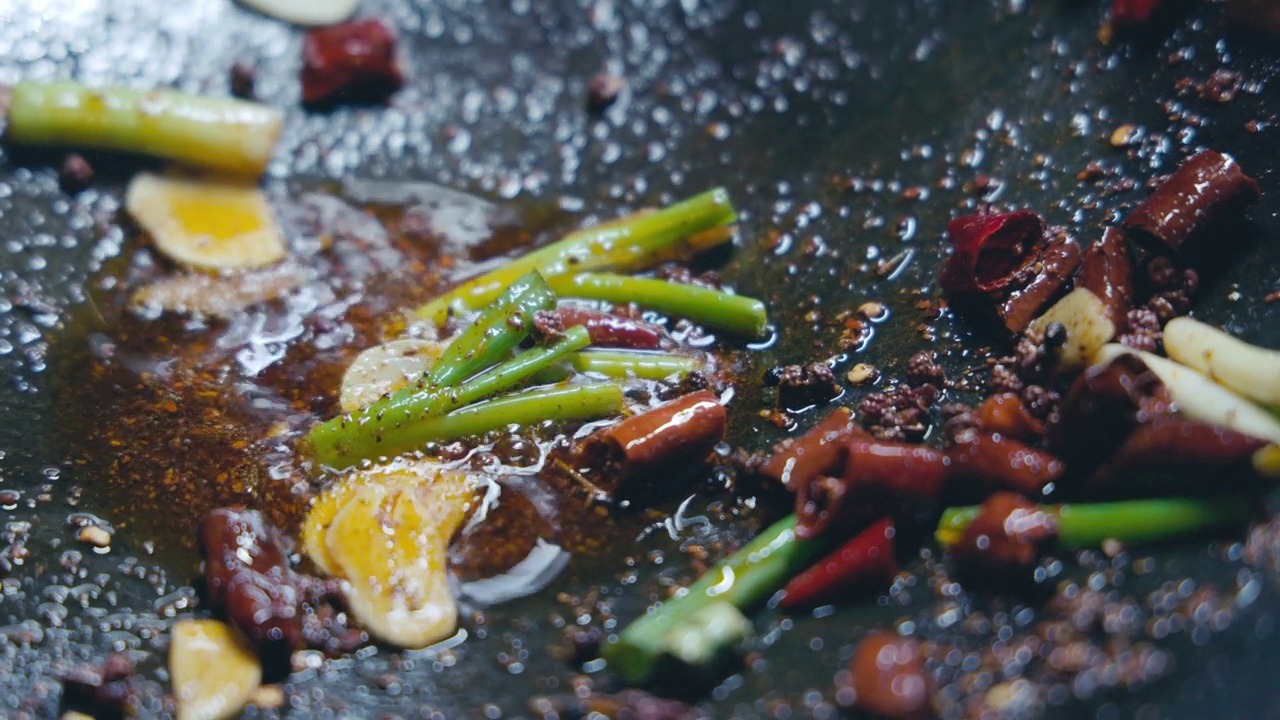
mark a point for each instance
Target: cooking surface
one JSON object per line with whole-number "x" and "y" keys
{"x": 846, "y": 132}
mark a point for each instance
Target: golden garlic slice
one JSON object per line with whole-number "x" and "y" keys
{"x": 385, "y": 368}
{"x": 1084, "y": 316}
{"x": 386, "y": 533}
{"x": 213, "y": 669}
{"x": 207, "y": 223}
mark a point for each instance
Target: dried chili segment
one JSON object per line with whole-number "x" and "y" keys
{"x": 889, "y": 677}
{"x": 1106, "y": 270}
{"x": 354, "y": 61}
{"x": 1206, "y": 191}
{"x": 795, "y": 462}
{"x": 609, "y": 330}
{"x": 992, "y": 252}
{"x": 657, "y": 442}
{"x": 1053, "y": 268}
{"x": 1130, "y": 13}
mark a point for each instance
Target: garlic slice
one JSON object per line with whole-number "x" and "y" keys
{"x": 385, "y": 368}
{"x": 305, "y": 12}
{"x": 1201, "y": 398}
{"x": 1248, "y": 369}
{"x": 206, "y": 223}
{"x": 386, "y": 532}
{"x": 1084, "y": 316}
{"x": 214, "y": 671}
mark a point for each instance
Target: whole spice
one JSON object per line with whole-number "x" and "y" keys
{"x": 889, "y": 677}
{"x": 863, "y": 565}
{"x": 1106, "y": 270}
{"x": 1206, "y": 191}
{"x": 353, "y": 62}
{"x": 655, "y": 444}
{"x": 992, "y": 252}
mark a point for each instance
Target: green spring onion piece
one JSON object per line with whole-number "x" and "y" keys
{"x": 407, "y": 419}
{"x": 714, "y": 309}
{"x": 224, "y": 134}
{"x": 498, "y": 330}
{"x": 1083, "y": 526}
{"x": 744, "y": 579}
{"x": 627, "y": 364}
{"x": 630, "y": 243}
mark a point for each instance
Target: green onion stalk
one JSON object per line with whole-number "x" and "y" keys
{"x": 624, "y": 364}
{"x": 413, "y": 416}
{"x": 221, "y": 134}
{"x": 714, "y": 309}
{"x": 499, "y": 329}
{"x": 743, "y": 580}
{"x": 631, "y": 243}
{"x": 1132, "y": 522}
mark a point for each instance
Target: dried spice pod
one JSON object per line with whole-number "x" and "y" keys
{"x": 878, "y": 474}
{"x": 1106, "y": 270}
{"x": 1052, "y": 272}
{"x": 1009, "y": 533}
{"x": 1179, "y": 455}
{"x": 609, "y": 330}
{"x": 992, "y": 252}
{"x": 656, "y": 443}
{"x": 354, "y": 62}
{"x": 1005, "y": 414}
{"x": 889, "y": 677}
{"x": 864, "y": 565}
{"x": 1207, "y": 190}
{"x": 1002, "y": 462}
{"x": 795, "y": 462}
{"x": 1132, "y": 14}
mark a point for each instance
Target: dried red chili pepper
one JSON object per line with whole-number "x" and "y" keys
{"x": 609, "y": 330}
{"x": 864, "y": 564}
{"x": 1055, "y": 265}
{"x": 355, "y": 61}
{"x": 1007, "y": 536}
{"x": 795, "y": 462}
{"x": 1106, "y": 270}
{"x": 1173, "y": 455}
{"x": 1001, "y": 462}
{"x": 1007, "y": 415}
{"x": 655, "y": 443}
{"x": 992, "y": 252}
{"x": 1206, "y": 191}
{"x": 1129, "y": 13}
{"x": 889, "y": 677}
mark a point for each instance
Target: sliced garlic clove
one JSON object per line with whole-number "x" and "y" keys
{"x": 385, "y": 368}
{"x": 1248, "y": 369}
{"x": 1201, "y": 398}
{"x": 206, "y": 223}
{"x": 305, "y": 12}
{"x": 1084, "y": 316}
{"x": 213, "y": 669}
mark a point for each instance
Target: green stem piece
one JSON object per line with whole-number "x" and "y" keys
{"x": 624, "y": 364}
{"x": 407, "y": 419}
{"x": 1083, "y": 526}
{"x": 714, "y": 309}
{"x": 223, "y": 134}
{"x": 746, "y": 578}
{"x": 498, "y": 330}
{"x": 631, "y": 243}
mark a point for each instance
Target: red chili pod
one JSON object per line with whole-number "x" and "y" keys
{"x": 1130, "y": 13}
{"x": 656, "y": 443}
{"x": 1001, "y": 462}
{"x": 354, "y": 61}
{"x": 609, "y": 330}
{"x": 1053, "y": 269}
{"x": 795, "y": 462}
{"x": 889, "y": 677}
{"x": 878, "y": 475}
{"x": 1206, "y": 191}
{"x": 1008, "y": 536}
{"x": 863, "y": 565}
{"x": 1007, "y": 415}
{"x": 1106, "y": 270}
{"x": 992, "y": 252}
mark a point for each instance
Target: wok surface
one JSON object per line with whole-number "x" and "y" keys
{"x": 835, "y": 126}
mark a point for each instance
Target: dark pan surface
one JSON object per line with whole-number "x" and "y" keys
{"x": 788, "y": 105}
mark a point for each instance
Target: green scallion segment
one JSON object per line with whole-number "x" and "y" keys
{"x": 223, "y": 134}
{"x": 632, "y": 364}
{"x": 715, "y": 309}
{"x": 498, "y": 330}
{"x": 744, "y": 579}
{"x": 632, "y": 243}
{"x": 1083, "y": 526}
{"x": 411, "y": 417}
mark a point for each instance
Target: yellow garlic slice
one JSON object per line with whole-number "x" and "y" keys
{"x": 214, "y": 671}
{"x": 207, "y": 223}
{"x": 386, "y": 532}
